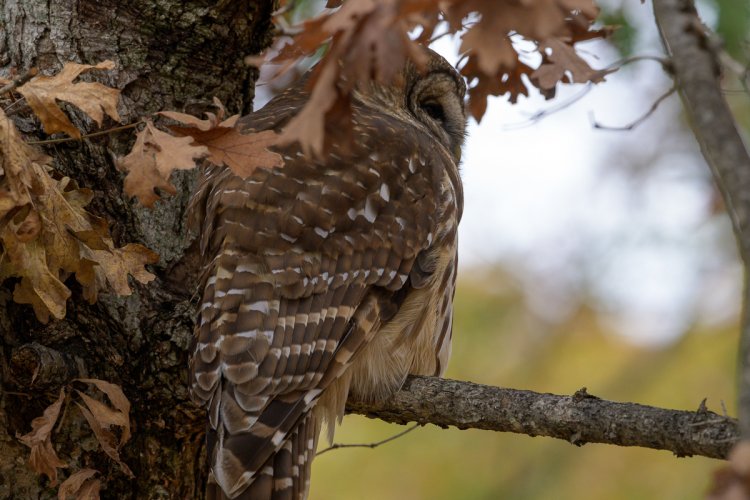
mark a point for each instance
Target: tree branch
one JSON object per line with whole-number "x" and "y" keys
{"x": 578, "y": 419}
{"x": 696, "y": 68}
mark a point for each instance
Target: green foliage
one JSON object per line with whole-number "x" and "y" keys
{"x": 625, "y": 35}
{"x": 734, "y": 28}
{"x": 497, "y": 341}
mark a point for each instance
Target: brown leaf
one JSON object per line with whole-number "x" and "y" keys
{"x": 39, "y": 287}
{"x": 72, "y": 485}
{"x": 154, "y": 156}
{"x": 106, "y": 439}
{"x": 43, "y": 458}
{"x": 94, "y": 99}
{"x": 242, "y": 153}
{"x": 564, "y": 61}
{"x": 120, "y": 416}
{"x": 105, "y": 415}
{"x": 114, "y": 266}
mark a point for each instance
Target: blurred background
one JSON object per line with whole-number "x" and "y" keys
{"x": 588, "y": 257}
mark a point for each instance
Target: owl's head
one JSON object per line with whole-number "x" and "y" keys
{"x": 431, "y": 96}
{"x": 435, "y": 96}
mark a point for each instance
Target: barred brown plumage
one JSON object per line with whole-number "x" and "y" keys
{"x": 325, "y": 278}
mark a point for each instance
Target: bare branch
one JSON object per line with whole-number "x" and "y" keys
{"x": 697, "y": 73}
{"x": 578, "y": 419}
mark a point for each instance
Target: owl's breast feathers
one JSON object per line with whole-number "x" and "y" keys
{"x": 323, "y": 277}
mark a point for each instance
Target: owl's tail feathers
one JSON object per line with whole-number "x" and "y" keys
{"x": 284, "y": 476}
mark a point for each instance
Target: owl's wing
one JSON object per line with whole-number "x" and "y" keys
{"x": 303, "y": 262}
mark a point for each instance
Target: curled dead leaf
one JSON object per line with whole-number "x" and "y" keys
{"x": 119, "y": 416}
{"x": 43, "y": 458}
{"x": 563, "y": 64}
{"x": 106, "y": 439}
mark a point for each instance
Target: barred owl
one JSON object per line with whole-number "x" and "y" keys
{"x": 326, "y": 278}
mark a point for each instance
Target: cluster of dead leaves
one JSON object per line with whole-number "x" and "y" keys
{"x": 101, "y": 417}
{"x": 45, "y": 232}
{"x": 369, "y": 40}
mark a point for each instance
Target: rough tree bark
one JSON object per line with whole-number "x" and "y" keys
{"x": 170, "y": 54}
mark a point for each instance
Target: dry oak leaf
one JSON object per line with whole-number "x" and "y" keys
{"x": 154, "y": 156}
{"x": 561, "y": 62}
{"x": 241, "y": 152}
{"x": 106, "y": 439}
{"x": 39, "y": 286}
{"x": 43, "y": 459}
{"x": 80, "y": 486}
{"x": 94, "y": 99}
{"x": 111, "y": 268}
{"x": 119, "y": 415}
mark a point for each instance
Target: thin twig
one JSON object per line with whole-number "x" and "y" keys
{"x": 9, "y": 110}
{"x": 336, "y": 446}
{"x": 663, "y": 61}
{"x": 449, "y": 31}
{"x": 19, "y": 80}
{"x": 535, "y": 117}
{"x": 638, "y": 121}
{"x": 542, "y": 113}
{"x": 87, "y": 136}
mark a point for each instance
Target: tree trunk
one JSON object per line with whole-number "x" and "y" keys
{"x": 169, "y": 54}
